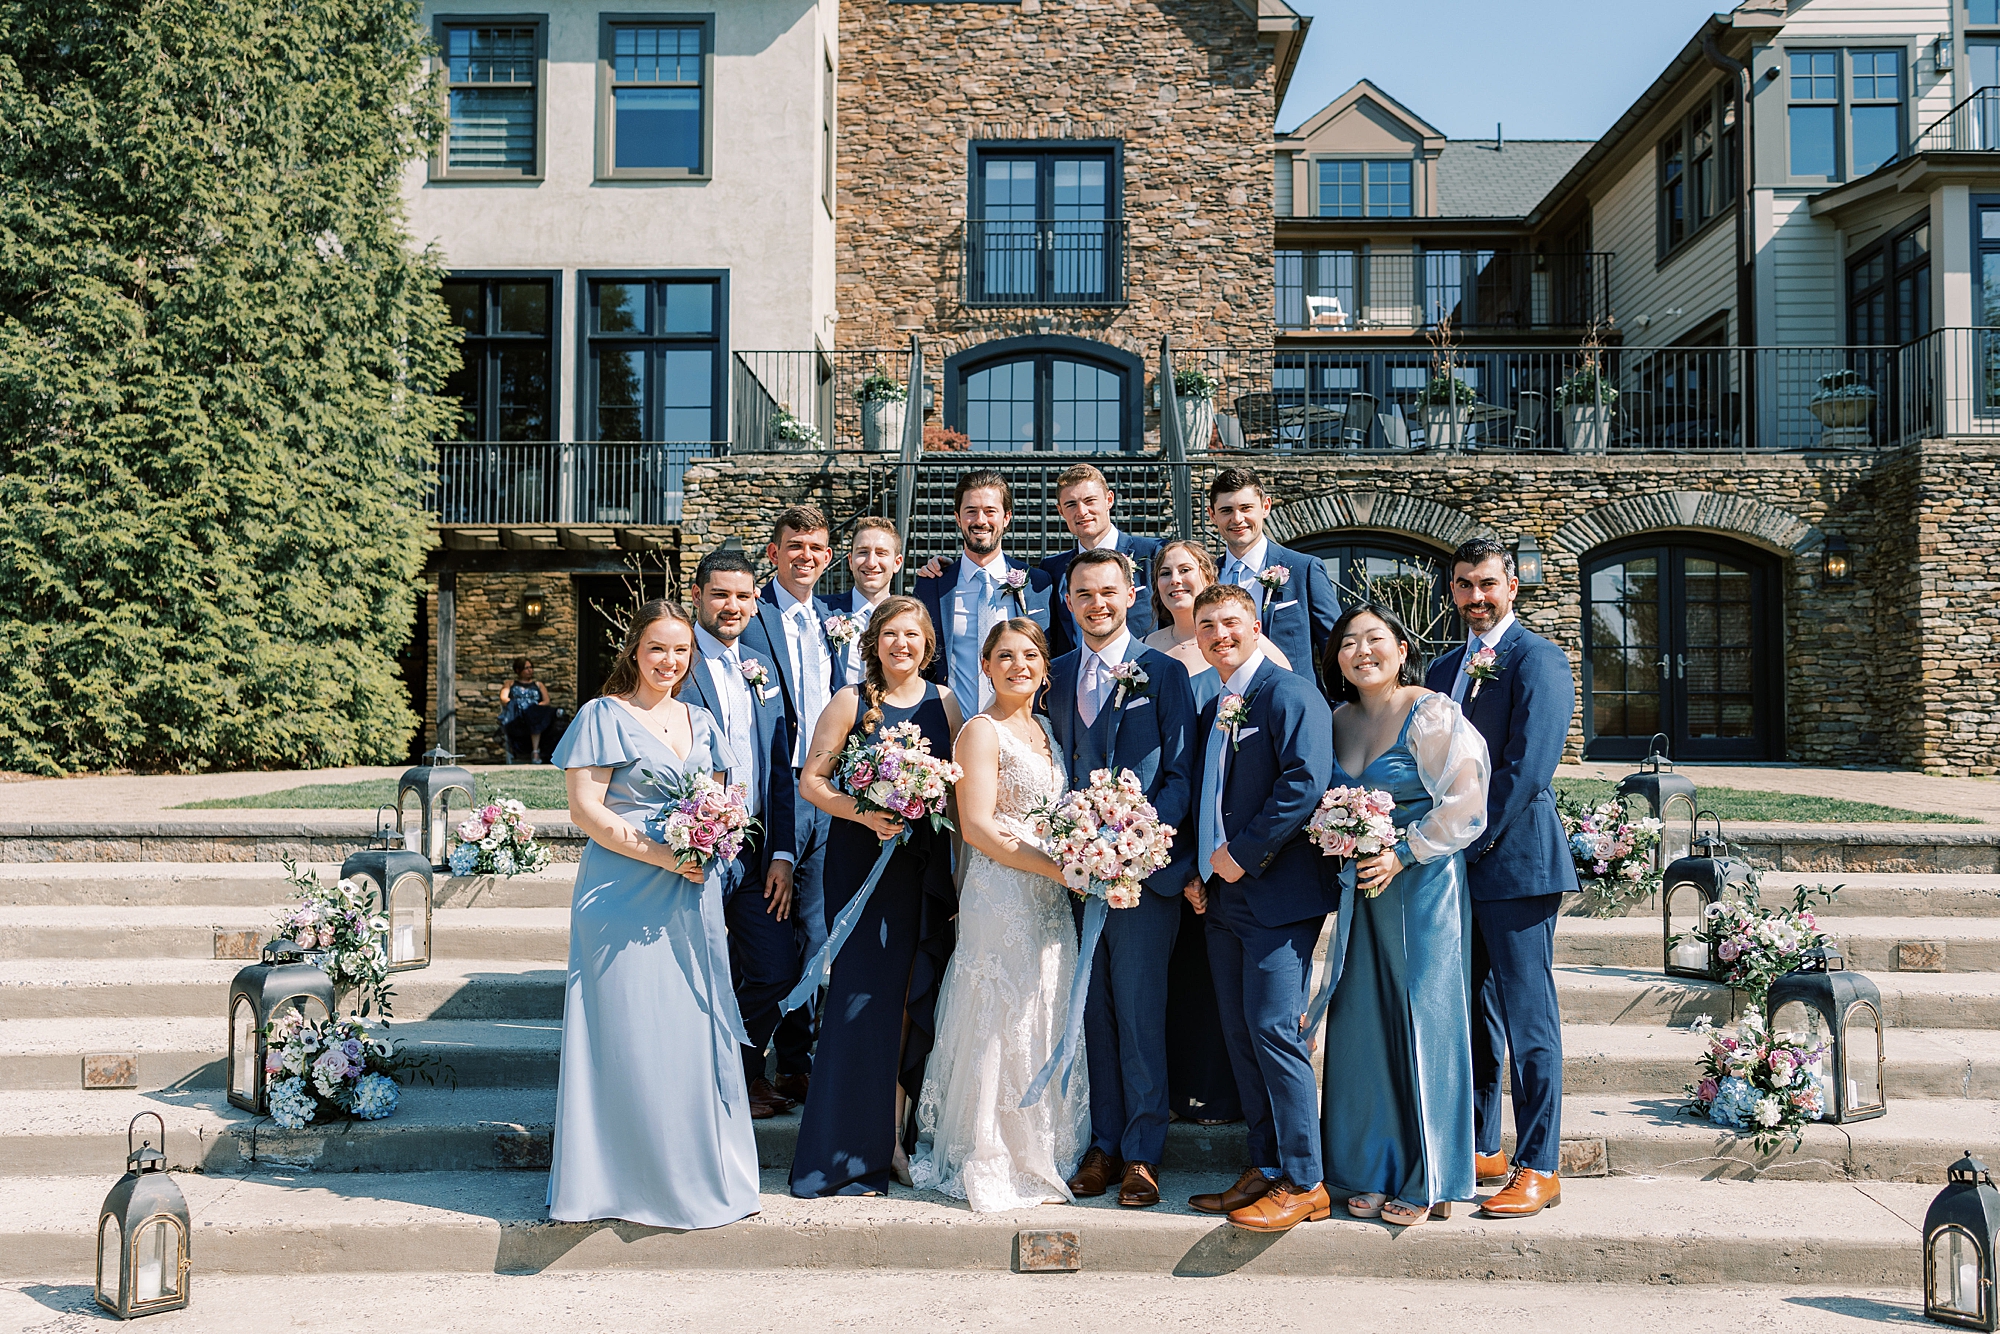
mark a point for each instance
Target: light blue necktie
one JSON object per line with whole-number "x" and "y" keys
{"x": 1207, "y": 835}
{"x": 965, "y": 647}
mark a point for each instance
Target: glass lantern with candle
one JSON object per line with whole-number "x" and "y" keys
{"x": 1829, "y": 1006}
{"x": 1669, "y": 798}
{"x": 1959, "y": 1233}
{"x": 142, "y": 1233}
{"x": 400, "y": 883}
{"x": 1707, "y": 875}
{"x": 280, "y": 980}
{"x": 426, "y": 798}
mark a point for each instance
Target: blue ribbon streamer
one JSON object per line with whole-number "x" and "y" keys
{"x": 1063, "y": 1058}
{"x": 1336, "y": 958}
{"x": 819, "y": 969}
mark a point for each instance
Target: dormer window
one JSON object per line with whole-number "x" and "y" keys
{"x": 1365, "y": 189}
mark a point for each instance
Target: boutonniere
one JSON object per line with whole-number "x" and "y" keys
{"x": 1016, "y": 583}
{"x": 1482, "y": 667}
{"x": 841, "y": 630}
{"x": 757, "y": 678}
{"x": 1132, "y": 681}
{"x": 1274, "y": 578}
{"x": 1230, "y": 715}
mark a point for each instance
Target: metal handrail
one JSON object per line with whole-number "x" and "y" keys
{"x": 1981, "y": 129}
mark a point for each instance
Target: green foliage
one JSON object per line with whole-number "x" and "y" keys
{"x": 218, "y": 358}
{"x": 877, "y": 387}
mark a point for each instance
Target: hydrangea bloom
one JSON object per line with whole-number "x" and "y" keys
{"x": 375, "y": 1096}
{"x": 291, "y": 1106}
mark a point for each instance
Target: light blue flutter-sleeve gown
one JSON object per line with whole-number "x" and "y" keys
{"x": 652, "y": 1116}
{"x": 1397, "y": 1110}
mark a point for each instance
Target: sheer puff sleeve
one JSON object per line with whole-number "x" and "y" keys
{"x": 1453, "y": 764}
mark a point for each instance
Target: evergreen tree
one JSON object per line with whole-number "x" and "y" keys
{"x": 219, "y": 356}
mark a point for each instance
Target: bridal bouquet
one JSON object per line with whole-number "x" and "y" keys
{"x": 1106, "y": 837}
{"x": 1613, "y": 853}
{"x": 1759, "y": 945}
{"x": 898, "y": 774}
{"x": 341, "y": 933}
{"x": 496, "y": 839}
{"x": 703, "y": 820}
{"x": 1353, "y": 822}
{"x": 327, "y": 1071}
{"x": 1769, "y": 1084}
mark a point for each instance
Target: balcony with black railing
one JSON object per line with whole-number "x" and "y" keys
{"x": 1043, "y": 262}
{"x": 1348, "y": 291}
{"x": 559, "y": 484}
{"x": 1973, "y": 126}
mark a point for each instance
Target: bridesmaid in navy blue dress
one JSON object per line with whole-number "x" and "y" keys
{"x": 879, "y": 1018}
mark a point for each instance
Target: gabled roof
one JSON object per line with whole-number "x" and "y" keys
{"x": 1482, "y": 178}
{"x": 1285, "y": 28}
{"x": 1367, "y": 91}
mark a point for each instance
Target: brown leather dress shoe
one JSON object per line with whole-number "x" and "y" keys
{"x": 1284, "y": 1208}
{"x": 766, "y": 1101}
{"x": 1525, "y": 1195}
{"x": 793, "y": 1087}
{"x": 1141, "y": 1189}
{"x": 1489, "y": 1169}
{"x": 1095, "y": 1173}
{"x": 1249, "y": 1188}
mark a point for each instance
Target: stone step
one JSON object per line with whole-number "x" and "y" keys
{"x": 245, "y": 884}
{"x": 1869, "y": 944}
{"x": 198, "y": 932}
{"x": 1605, "y": 995}
{"x": 1875, "y": 894}
{"x": 111, "y": 988}
{"x": 1867, "y": 847}
{"x": 1676, "y": 1231}
{"x": 327, "y": 836}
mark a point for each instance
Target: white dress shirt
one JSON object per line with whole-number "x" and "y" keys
{"x": 812, "y": 669}
{"x": 739, "y": 720}
{"x": 1243, "y": 570}
{"x": 1109, "y": 542}
{"x": 1491, "y": 639}
{"x": 1094, "y": 680}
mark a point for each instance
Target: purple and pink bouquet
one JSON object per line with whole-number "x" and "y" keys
{"x": 1612, "y": 851}
{"x": 897, "y": 774}
{"x": 1106, "y": 837}
{"x": 1353, "y": 822}
{"x": 703, "y": 820}
{"x": 1758, "y": 945}
{"x": 496, "y": 839}
{"x": 1769, "y": 1084}
{"x": 327, "y": 1071}
{"x": 342, "y": 933}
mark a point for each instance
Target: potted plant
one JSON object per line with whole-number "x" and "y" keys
{"x": 1586, "y": 402}
{"x": 1444, "y": 402}
{"x": 792, "y": 432}
{"x": 1843, "y": 406}
{"x": 1194, "y": 392}
{"x": 884, "y": 403}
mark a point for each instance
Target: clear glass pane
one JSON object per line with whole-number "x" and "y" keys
{"x": 525, "y": 392}
{"x": 243, "y": 1048}
{"x": 1877, "y": 137}
{"x": 621, "y": 307}
{"x": 656, "y": 128}
{"x": 492, "y": 129}
{"x": 688, "y": 395}
{"x": 1684, "y": 906}
{"x": 409, "y": 931}
{"x": 1000, "y": 406}
{"x": 524, "y": 308}
{"x": 1341, "y": 189}
{"x": 311, "y": 1007}
{"x": 621, "y": 382}
{"x": 1957, "y": 1273}
{"x": 1086, "y": 407}
{"x": 1861, "y": 1053}
{"x": 491, "y": 55}
{"x": 690, "y": 308}
{"x": 1676, "y": 830}
{"x": 656, "y": 55}
{"x": 466, "y": 302}
{"x": 1812, "y": 141}
{"x": 151, "y": 1257}
{"x": 1291, "y": 290}
{"x": 109, "y": 1245}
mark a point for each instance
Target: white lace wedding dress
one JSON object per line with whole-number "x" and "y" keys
{"x": 1001, "y": 1012}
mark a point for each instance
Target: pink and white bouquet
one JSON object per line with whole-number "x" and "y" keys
{"x": 343, "y": 934}
{"x": 1612, "y": 851}
{"x": 703, "y": 820}
{"x": 896, "y": 773}
{"x": 1769, "y": 1084}
{"x": 1353, "y": 822}
{"x": 1758, "y": 945}
{"x": 496, "y": 839}
{"x": 1106, "y": 837}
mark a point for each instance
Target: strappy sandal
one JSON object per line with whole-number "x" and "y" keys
{"x": 1398, "y": 1214}
{"x": 1368, "y": 1205}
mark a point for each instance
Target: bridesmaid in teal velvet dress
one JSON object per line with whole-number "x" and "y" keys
{"x": 1396, "y": 1115}
{"x": 652, "y": 1116}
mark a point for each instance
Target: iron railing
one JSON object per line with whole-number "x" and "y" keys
{"x": 1144, "y": 488}
{"x": 1346, "y": 290}
{"x": 545, "y": 482}
{"x": 1949, "y": 385}
{"x": 1043, "y": 262}
{"x": 1971, "y": 126}
{"x": 806, "y": 402}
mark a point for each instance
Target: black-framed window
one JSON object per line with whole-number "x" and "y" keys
{"x": 1044, "y": 226}
{"x": 653, "y": 352}
{"x": 1696, "y": 170}
{"x": 1889, "y": 289}
{"x": 1365, "y": 188}
{"x": 1314, "y": 273}
{"x": 1059, "y": 394}
{"x": 654, "y": 112}
{"x": 1874, "y": 109}
{"x": 1812, "y": 113}
{"x": 505, "y": 381}
{"x": 494, "y": 70}
{"x": 1844, "y": 111}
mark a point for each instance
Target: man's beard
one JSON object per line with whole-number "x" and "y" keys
{"x": 982, "y": 544}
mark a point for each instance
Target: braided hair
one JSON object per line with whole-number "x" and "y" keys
{"x": 874, "y": 685}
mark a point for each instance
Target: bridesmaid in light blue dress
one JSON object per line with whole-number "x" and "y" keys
{"x": 652, "y": 1116}
{"x": 1396, "y": 1117}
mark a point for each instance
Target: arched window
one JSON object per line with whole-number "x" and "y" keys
{"x": 1407, "y": 578}
{"x": 1057, "y": 394}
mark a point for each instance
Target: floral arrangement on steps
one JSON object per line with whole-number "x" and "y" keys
{"x": 343, "y": 934}
{"x": 496, "y": 839}
{"x": 328, "y": 1072}
{"x": 1759, "y": 945}
{"x": 1613, "y": 853}
{"x": 1768, "y": 1084}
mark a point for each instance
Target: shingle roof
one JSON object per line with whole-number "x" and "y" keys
{"x": 1476, "y": 179}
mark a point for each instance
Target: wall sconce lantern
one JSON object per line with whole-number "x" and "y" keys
{"x": 1836, "y": 563}
{"x": 1528, "y": 562}
{"x": 1941, "y": 55}
{"x": 1959, "y": 1232}
{"x": 1823, "y": 1003}
{"x": 534, "y": 608}
{"x": 142, "y": 1234}
{"x": 400, "y": 883}
{"x": 427, "y": 796}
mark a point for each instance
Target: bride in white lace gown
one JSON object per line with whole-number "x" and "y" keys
{"x": 1004, "y": 1002}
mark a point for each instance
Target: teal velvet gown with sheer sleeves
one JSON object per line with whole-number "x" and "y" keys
{"x": 1396, "y": 1114}
{"x": 652, "y": 1116}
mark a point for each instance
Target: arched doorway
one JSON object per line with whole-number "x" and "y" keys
{"x": 1068, "y": 395}
{"x": 1682, "y": 636}
{"x": 1407, "y": 578}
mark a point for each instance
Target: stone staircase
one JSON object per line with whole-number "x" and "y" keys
{"x": 113, "y": 977}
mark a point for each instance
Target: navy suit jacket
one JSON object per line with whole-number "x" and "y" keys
{"x": 935, "y": 594}
{"x": 1300, "y": 617}
{"x": 1524, "y": 715}
{"x": 1149, "y": 733}
{"x": 774, "y": 752}
{"x": 765, "y": 636}
{"x": 1062, "y": 626}
{"x": 1272, "y": 784}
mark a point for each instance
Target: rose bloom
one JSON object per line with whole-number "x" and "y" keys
{"x": 703, "y": 836}
{"x": 1706, "y": 1090}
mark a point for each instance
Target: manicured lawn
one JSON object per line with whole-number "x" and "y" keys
{"x": 1741, "y": 805}
{"x": 540, "y": 787}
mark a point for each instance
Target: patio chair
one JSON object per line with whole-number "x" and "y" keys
{"x": 1397, "y": 433}
{"x": 1326, "y": 312}
{"x": 1229, "y": 431}
{"x": 1257, "y": 414}
{"x": 1531, "y": 408}
{"x": 1635, "y": 418}
{"x": 1354, "y": 427}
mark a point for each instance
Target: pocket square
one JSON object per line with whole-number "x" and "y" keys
{"x": 1140, "y": 701}
{"x": 1243, "y": 732}
{"x": 1282, "y": 605}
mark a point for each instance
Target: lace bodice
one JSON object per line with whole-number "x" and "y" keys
{"x": 1027, "y": 781}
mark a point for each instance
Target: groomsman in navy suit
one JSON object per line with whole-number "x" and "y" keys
{"x": 983, "y": 587}
{"x": 874, "y": 556}
{"x": 740, "y": 689}
{"x": 1084, "y": 499}
{"x": 1292, "y": 593}
{"x": 789, "y": 632}
{"x": 1267, "y": 757}
{"x": 1521, "y": 702}
{"x": 1116, "y": 704}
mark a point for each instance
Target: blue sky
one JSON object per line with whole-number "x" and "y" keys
{"x": 1547, "y": 69}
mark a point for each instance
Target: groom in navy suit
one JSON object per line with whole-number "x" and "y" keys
{"x": 1520, "y": 698}
{"x": 739, "y": 688}
{"x": 1267, "y": 757}
{"x": 1116, "y": 704}
{"x": 1292, "y": 593}
{"x": 1084, "y": 499}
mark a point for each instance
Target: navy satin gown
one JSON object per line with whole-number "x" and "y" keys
{"x": 891, "y": 965}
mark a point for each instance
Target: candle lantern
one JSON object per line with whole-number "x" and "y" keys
{"x": 1669, "y": 798}
{"x": 1821, "y": 1002}
{"x": 142, "y": 1234}
{"x": 281, "y": 980}
{"x": 1708, "y": 874}
{"x": 1959, "y": 1233}
{"x": 400, "y": 883}
{"x": 426, "y": 798}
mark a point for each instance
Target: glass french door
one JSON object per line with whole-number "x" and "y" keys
{"x": 1681, "y": 639}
